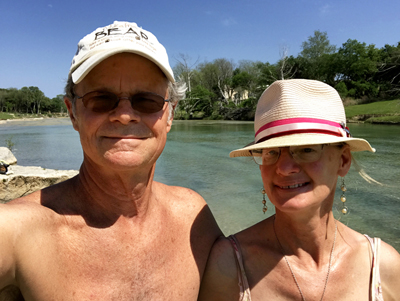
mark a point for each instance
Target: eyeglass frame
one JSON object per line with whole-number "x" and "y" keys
{"x": 122, "y": 98}
{"x": 292, "y": 154}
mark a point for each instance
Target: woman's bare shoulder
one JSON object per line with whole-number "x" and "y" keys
{"x": 220, "y": 281}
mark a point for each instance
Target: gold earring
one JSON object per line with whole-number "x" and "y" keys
{"x": 343, "y": 187}
{"x": 265, "y": 208}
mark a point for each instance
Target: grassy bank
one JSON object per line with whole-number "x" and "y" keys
{"x": 387, "y": 111}
{"x": 4, "y": 116}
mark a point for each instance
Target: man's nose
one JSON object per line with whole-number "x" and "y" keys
{"x": 124, "y": 112}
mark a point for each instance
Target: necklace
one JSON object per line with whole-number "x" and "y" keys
{"x": 290, "y": 268}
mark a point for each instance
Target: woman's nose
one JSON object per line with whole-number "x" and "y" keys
{"x": 286, "y": 164}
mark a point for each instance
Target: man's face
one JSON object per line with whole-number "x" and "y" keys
{"x": 122, "y": 138}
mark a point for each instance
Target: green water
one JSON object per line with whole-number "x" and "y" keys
{"x": 197, "y": 156}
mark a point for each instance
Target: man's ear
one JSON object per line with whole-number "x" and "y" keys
{"x": 171, "y": 114}
{"x": 68, "y": 103}
{"x": 345, "y": 161}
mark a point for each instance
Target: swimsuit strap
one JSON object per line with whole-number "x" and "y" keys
{"x": 243, "y": 283}
{"x": 376, "y": 287}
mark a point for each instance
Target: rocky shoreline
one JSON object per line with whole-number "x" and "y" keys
{"x": 23, "y": 180}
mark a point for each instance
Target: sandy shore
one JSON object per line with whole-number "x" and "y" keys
{"x": 35, "y": 121}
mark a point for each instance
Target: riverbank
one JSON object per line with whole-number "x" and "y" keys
{"x": 379, "y": 112}
{"x": 19, "y": 116}
{"x": 23, "y": 180}
{"x": 36, "y": 121}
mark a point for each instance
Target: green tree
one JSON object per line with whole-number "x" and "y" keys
{"x": 357, "y": 65}
{"x": 388, "y": 75}
{"x": 316, "y": 46}
{"x": 315, "y": 58}
{"x": 37, "y": 97}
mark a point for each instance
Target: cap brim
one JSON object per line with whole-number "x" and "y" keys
{"x": 86, "y": 66}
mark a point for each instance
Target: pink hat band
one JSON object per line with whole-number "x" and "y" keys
{"x": 300, "y": 125}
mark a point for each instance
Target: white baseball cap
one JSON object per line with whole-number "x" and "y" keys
{"x": 116, "y": 38}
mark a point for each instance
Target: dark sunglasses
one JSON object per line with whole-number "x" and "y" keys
{"x": 103, "y": 101}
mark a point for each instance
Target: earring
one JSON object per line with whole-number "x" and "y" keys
{"x": 265, "y": 208}
{"x": 343, "y": 198}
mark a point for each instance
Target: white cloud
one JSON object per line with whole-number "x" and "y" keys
{"x": 325, "y": 9}
{"x": 228, "y": 21}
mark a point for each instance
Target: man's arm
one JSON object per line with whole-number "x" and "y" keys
{"x": 9, "y": 232}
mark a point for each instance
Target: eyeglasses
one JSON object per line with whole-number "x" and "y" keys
{"x": 103, "y": 101}
{"x": 301, "y": 154}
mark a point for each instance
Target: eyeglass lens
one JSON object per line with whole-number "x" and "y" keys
{"x": 102, "y": 102}
{"x": 301, "y": 154}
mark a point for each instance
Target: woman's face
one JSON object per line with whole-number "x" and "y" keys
{"x": 293, "y": 186}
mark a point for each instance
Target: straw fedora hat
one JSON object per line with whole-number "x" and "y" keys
{"x": 300, "y": 112}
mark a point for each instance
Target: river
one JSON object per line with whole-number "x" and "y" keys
{"x": 197, "y": 156}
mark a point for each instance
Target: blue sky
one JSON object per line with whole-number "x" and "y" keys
{"x": 39, "y": 38}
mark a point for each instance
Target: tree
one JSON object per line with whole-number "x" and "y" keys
{"x": 217, "y": 77}
{"x": 315, "y": 57}
{"x": 3, "y": 97}
{"x": 184, "y": 69}
{"x": 388, "y": 75}
{"x": 268, "y": 74}
{"x": 224, "y": 74}
{"x": 316, "y": 46}
{"x": 252, "y": 73}
{"x": 357, "y": 65}
{"x": 36, "y": 97}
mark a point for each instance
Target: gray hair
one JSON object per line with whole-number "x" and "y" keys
{"x": 176, "y": 92}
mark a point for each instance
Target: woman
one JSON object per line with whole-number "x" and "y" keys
{"x": 302, "y": 252}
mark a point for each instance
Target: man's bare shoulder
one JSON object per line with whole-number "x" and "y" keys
{"x": 33, "y": 210}
{"x": 191, "y": 212}
{"x": 24, "y": 212}
{"x": 180, "y": 197}
{"x": 188, "y": 207}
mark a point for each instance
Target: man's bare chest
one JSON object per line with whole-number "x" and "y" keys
{"x": 80, "y": 265}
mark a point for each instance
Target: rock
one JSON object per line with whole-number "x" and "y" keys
{"x": 7, "y": 156}
{"x": 23, "y": 180}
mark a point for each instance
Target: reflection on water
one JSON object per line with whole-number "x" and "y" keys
{"x": 197, "y": 156}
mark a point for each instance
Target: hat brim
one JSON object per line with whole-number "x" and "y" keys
{"x": 79, "y": 73}
{"x": 356, "y": 144}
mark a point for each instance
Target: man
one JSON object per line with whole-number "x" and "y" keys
{"x": 111, "y": 232}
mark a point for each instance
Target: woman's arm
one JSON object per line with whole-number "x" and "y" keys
{"x": 389, "y": 265}
{"x": 220, "y": 281}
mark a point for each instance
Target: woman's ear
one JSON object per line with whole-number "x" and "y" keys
{"x": 345, "y": 161}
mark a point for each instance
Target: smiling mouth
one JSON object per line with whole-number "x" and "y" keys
{"x": 293, "y": 186}
{"x": 124, "y": 137}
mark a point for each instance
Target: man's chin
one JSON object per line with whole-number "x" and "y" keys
{"x": 124, "y": 160}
